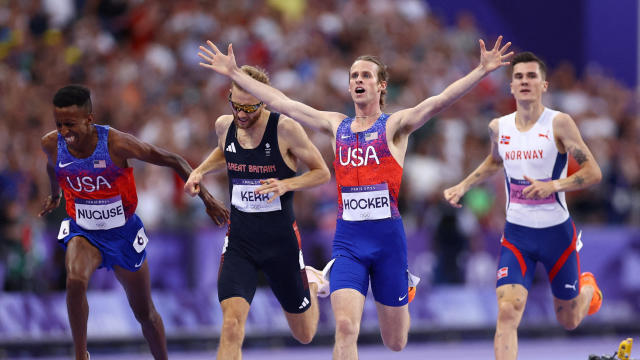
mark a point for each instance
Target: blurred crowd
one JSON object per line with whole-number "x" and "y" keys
{"x": 139, "y": 58}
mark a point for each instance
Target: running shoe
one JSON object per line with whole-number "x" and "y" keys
{"x": 316, "y": 276}
{"x": 587, "y": 278}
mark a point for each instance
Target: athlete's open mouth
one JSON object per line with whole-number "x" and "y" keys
{"x": 359, "y": 90}
{"x": 69, "y": 139}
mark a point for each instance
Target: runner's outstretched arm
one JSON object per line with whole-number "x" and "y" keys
{"x": 413, "y": 118}
{"x": 226, "y": 65}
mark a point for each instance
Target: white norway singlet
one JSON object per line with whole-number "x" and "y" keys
{"x": 532, "y": 153}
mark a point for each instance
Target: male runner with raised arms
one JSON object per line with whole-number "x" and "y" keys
{"x": 531, "y": 145}
{"x": 261, "y": 149}
{"x": 370, "y": 148}
{"x": 89, "y": 164}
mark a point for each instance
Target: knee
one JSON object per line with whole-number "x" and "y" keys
{"x": 509, "y": 312}
{"x": 397, "y": 343}
{"x": 569, "y": 321}
{"x": 233, "y": 329}
{"x": 570, "y": 324}
{"x": 146, "y": 313}
{"x": 305, "y": 335}
{"x": 77, "y": 281}
{"x": 347, "y": 328}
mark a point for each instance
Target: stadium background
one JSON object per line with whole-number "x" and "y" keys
{"x": 139, "y": 59}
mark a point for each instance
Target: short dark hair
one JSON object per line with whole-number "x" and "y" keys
{"x": 383, "y": 73}
{"x": 528, "y": 56}
{"x": 71, "y": 95}
{"x": 256, "y": 73}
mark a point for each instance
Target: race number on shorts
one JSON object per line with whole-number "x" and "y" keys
{"x": 366, "y": 202}
{"x": 64, "y": 229}
{"x": 245, "y": 199}
{"x": 141, "y": 240}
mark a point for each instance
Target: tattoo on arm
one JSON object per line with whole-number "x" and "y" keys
{"x": 578, "y": 180}
{"x": 579, "y": 155}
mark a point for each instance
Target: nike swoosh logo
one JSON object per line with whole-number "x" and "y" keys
{"x": 60, "y": 164}
{"x": 140, "y": 263}
{"x": 402, "y": 298}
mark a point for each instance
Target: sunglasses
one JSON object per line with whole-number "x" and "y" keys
{"x": 246, "y": 108}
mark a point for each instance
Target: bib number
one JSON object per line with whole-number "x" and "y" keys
{"x": 141, "y": 240}
{"x": 366, "y": 202}
{"x": 245, "y": 199}
{"x": 516, "y": 194}
{"x": 64, "y": 229}
{"x": 100, "y": 214}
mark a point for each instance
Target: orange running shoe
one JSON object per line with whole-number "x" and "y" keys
{"x": 587, "y": 278}
{"x": 413, "y": 283}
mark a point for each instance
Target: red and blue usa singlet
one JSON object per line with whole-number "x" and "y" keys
{"x": 367, "y": 175}
{"x": 369, "y": 242}
{"x": 99, "y": 195}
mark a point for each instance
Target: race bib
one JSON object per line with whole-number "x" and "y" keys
{"x": 100, "y": 214}
{"x": 366, "y": 202}
{"x": 516, "y": 195}
{"x": 245, "y": 199}
{"x": 64, "y": 229}
{"x": 140, "y": 241}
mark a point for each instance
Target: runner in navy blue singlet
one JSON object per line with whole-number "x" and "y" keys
{"x": 259, "y": 149}
{"x": 87, "y": 163}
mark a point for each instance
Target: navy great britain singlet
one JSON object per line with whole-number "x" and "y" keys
{"x": 250, "y": 212}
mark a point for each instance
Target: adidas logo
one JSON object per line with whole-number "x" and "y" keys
{"x": 305, "y": 302}
{"x": 231, "y": 148}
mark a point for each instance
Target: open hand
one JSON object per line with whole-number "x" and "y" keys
{"x": 216, "y": 60}
{"x": 494, "y": 58}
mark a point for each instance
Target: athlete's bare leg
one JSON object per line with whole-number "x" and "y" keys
{"x": 571, "y": 312}
{"x": 394, "y": 325}
{"x": 138, "y": 289}
{"x": 81, "y": 261}
{"x": 304, "y": 325}
{"x": 347, "y": 305}
{"x": 512, "y": 299}
{"x": 234, "y": 313}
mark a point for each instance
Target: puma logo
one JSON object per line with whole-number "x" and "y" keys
{"x": 569, "y": 286}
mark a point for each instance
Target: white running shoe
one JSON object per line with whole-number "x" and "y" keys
{"x": 316, "y": 276}
{"x": 327, "y": 269}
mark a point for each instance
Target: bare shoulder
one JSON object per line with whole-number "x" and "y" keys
{"x": 117, "y": 137}
{"x": 333, "y": 119}
{"x": 494, "y": 127}
{"x": 288, "y": 127}
{"x": 49, "y": 142}
{"x": 122, "y": 144}
{"x": 494, "y": 124}
{"x": 222, "y": 123}
{"x": 562, "y": 119}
